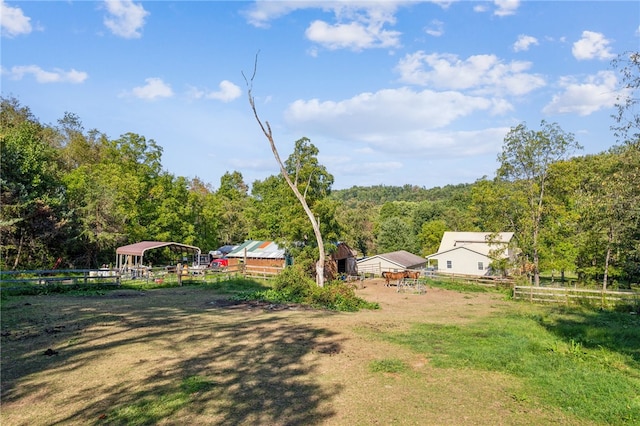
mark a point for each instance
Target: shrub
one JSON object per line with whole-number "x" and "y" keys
{"x": 294, "y": 283}
{"x": 339, "y": 296}
{"x": 293, "y": 286}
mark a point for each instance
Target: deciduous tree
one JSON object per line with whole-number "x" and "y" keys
{"x": 266, "y": 130}
{"x": 525, "y": 161}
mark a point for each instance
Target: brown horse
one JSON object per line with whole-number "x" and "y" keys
{"x": 388, "y": 276}
{"x": 414, "y": 275}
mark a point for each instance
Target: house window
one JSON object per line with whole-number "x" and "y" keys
{"x": 480, "y": 266}
{"x": 448, "y": 264}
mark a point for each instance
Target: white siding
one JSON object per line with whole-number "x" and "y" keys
{"x": 462, "y": 262}
{"x": 375, "y": 265}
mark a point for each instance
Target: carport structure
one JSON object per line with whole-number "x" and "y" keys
{"x": 132, "y": 255}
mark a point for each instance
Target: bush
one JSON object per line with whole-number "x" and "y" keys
{"x": 338, "y": 296}
{"x": 294, "y": 283}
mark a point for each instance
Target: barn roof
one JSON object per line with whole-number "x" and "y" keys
{"x": 343, "y": 251}
{"x": 138, "y": 249}
{"x": 258, "y": 250}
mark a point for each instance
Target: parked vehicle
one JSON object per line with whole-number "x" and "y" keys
{"x": 219, "y": 263}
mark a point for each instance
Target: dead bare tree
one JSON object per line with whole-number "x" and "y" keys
{"x": 266, "y": 130}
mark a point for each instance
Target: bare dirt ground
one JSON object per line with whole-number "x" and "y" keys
{"x": 186, "y": 356}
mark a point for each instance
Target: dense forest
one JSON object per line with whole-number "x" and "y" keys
{"x": 70, "y": 197}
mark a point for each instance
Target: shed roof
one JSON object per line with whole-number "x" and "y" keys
{"x": 401, "y": 258}
{"x": 343, "y": 251}
{"x": 258, "y": 250}
{"x": 138, "y": 249}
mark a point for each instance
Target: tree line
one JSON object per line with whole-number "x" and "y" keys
{"x": 70, "y": 197}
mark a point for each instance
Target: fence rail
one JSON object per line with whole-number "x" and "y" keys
{"x": 575, "y": 296}
{"x": 43, "y": 279}
{"x": 484, "y": 280}
{"x": 16, "y": 280}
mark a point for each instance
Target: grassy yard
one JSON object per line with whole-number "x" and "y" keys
{"x": 189, "y": 355}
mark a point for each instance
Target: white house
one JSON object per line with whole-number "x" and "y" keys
{"x": 471, "y": 253}
{"x": 395, "y": 261}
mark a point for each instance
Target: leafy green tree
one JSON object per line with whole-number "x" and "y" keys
{"x": 358, "y": 223}
{"x": 32, "y": 224}
{"x": 310, "y": 177}
{"x": 232, "y": 197}
{"x": 627, "y": 131}
{"x": 431, "y": 235}
{"x": 609, "y": 215}
{"x": 205, "y": 205}
{"x": 395, "y": 234}
{"x": 525, "y": 161}
{"x": 560, "y": 234}
{"x": 627, "y": 118}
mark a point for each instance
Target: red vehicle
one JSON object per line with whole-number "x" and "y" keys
{"x": 219, "y": 263}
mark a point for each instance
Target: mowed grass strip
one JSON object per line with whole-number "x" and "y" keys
{"x": 586, "y": 363}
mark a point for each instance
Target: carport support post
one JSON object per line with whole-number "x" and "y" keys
{"x": 179, "y": 273}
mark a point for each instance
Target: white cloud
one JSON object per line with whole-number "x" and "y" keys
{"x": 357, "y": 26}
{"x": 482, "y": 74}
{"x": 524, "y": 42}
{"x": 42, "y": 76}
{"x": 126, "y": 18}
{"x": 227, "y": 93}
{"x": 13, "y": 22}
{"x": 260, "y": 13}
{"x": 154, "y": 89}
{"x": 354, "y": 36}
{"x": 383, "y": 116}
{"x": 583, "y": 98}
{"x": 391, "y": 127}
{"x": 503, "y": 7}
{"x": 480, "y": 8}
{"x": 592, "y": 45}
{"x": 506, "y": 7}
{"x": 435, "y": 28}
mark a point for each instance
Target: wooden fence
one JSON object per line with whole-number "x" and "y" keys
{"x": 576, "y": 296}
{"x": 48, "y": 279}
{"x": 19, "y": 280}
{"x": 485, "y": 280}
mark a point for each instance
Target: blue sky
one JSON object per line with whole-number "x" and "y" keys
{"x": 391, "y": 93}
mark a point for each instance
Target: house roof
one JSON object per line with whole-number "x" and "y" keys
{"x": 401, "y": 258}
{"x": 138, "y": 249}
{"x": 478, "y": 242}
{"x": 258, "y": 249}
{"x": 481, "y": 242}
{"x": 469, "y": 249}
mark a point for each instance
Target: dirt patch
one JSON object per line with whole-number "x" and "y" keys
{"x": 90, "y": 359}
{"x": 254, "y": 304}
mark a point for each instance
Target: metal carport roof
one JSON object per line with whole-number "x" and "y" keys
{"x": 133, "y": 254}
{"x": 138, "y": 249}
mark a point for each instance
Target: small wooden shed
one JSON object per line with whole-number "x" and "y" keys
{"x": 345, "y": 259}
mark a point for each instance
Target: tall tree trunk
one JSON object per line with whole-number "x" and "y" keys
{"x": 536, "y": 258}
{"x": 17, "y": 260}
{"x": 266, "y": 129}
{"x": 607, "y": 259}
